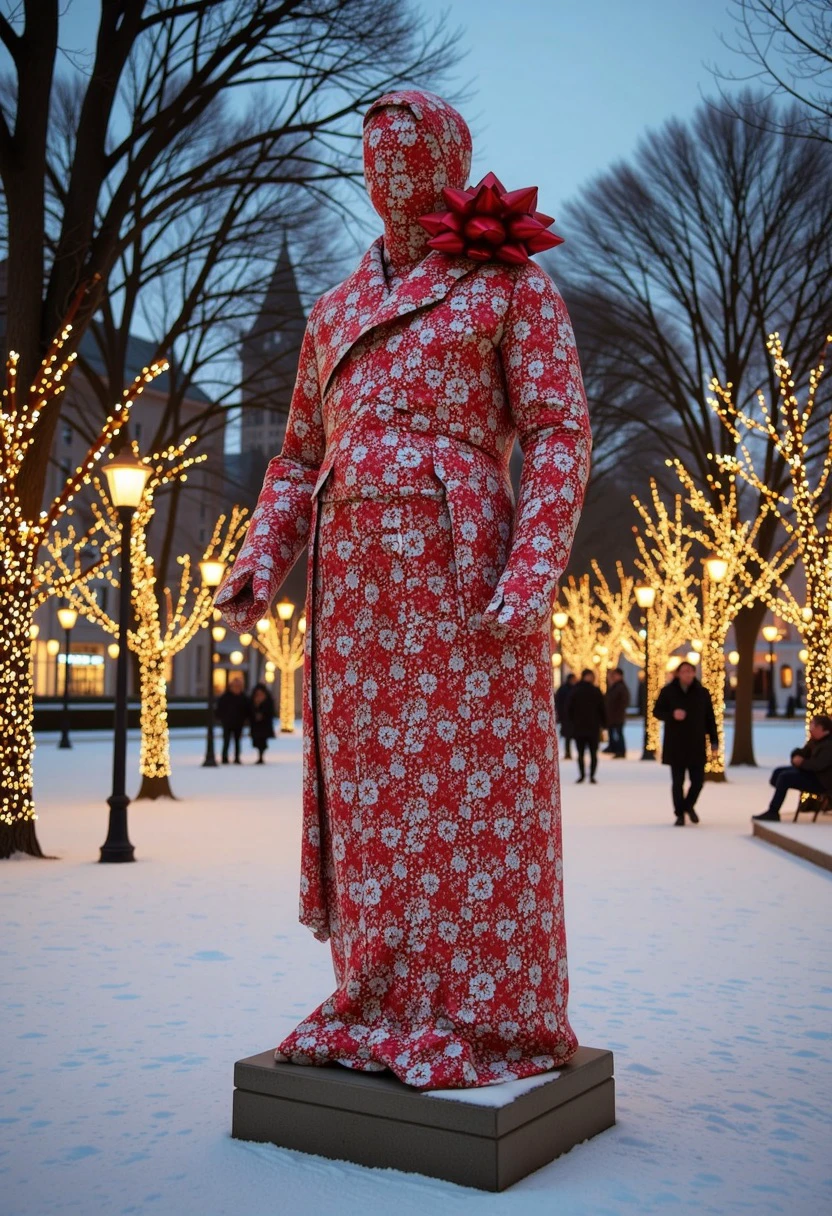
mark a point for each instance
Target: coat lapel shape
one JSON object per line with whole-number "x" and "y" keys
{"x": 362, "y": 302}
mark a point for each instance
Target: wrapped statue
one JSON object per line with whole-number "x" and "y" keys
{"x": 431, "y": 809}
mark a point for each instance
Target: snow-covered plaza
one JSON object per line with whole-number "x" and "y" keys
{"x": 701, "y": 957}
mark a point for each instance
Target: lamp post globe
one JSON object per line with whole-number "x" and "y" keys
{"x": 716, "y": 568}
{"x": 126, "y": 477}
{"x": 212, "y": 572}
{"x": 66, "y": 619}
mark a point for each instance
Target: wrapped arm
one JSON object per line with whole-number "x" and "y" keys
{"x": 548, "y": 404}
{"x": 279, "y": 526}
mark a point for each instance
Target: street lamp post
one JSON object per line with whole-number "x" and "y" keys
{"x": 66, "y": 618}
{"x": 285, "y": 611}
{"x": 212, "y": 574}
{"x": 126, "y": 480}
{"x": 560, "y": 620}
{"x": 262, "y": 628}
{"x": 645, "y": 598}
{"x": 53, "y": 649}
{"x": 771, "y": 634}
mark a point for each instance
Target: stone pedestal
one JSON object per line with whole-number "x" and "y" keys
{"x": 487, "y": 1138}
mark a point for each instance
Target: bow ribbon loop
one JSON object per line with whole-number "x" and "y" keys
{"x": 488, "y": 223}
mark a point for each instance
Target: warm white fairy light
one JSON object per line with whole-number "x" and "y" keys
{"x": 665, "y": 562}
{"x": 162, "y": 629}
{"x": 283, "y": 646}
{"x": 593, "y": 619}
{"x": 801, "y": 508}
{"x": 734, "y": 576}
{"x": 26, "y": 579}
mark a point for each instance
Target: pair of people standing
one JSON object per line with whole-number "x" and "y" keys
{"x": 583, "y": 712}
{"x": 234, "y": 709}
{"x": 587, "y": 718}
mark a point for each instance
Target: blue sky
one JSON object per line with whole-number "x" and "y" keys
{"x": 564, "y": 88}
{"x": 559, "y": 89}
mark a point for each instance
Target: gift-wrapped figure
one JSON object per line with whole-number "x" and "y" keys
{"x": 431, "y": 810}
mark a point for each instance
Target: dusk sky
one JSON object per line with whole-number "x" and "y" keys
{"x": 561, "y": 90}
{"x": 558, "y": 89}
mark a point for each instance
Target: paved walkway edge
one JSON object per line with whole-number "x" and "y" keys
{"x": 789, "y": 845}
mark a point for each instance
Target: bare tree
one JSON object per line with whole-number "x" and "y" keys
{"x": 150, "y": 174}
{"x": 717, "y": 232}
{"x": 788, "y": 46}
{"x": 282, "y": 74}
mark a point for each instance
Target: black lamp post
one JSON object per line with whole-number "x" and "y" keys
{"x": 560, "y": 620}
{"x": 645, "y": 598}
{"x": 212, "y": 573}
{"x": 126, "y": 479}
{"x": 66, "y": 618}
{"x": 771, "y": 633}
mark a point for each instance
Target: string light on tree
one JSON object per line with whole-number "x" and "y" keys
{"x": 596, "y": 619}
{"x": 666, "y": 563}
{"x": 26, "y": 580}
{"x": 164, "y": 621}
{"x": 734, "y": 576}
{"x": 283, "y": 647}
{"x": 802, "y": 508}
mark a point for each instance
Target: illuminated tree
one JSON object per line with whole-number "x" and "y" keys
{"x": 163, "y": 623}
{"x": 735, "y": 576}
{"x": 803, "y": 508}
{"x": 666, "y": 564}
{"x": 283, "y": 646}
{"x": 615, "y": 608}
{"x": 583, "y": 633}
{"x": 598, "y": 619}
{"x": 23, "y": 582}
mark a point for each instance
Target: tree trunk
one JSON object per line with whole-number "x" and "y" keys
{"x": 287, "y": 701}
{"x": 713, "y": 678}
{"x": 655, "y": 683}
{"x": 17, "y": 810}
{"x": 817, "y": 638}
{"x": 746, "y": 628}
{"x": 154, "y": 764}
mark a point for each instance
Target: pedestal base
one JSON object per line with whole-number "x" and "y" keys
{"x": 487, "y": 1138}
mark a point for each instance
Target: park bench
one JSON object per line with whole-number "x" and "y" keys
{"x": 820, "y": 804}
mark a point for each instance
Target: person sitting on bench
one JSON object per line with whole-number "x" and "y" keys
{"x": 810, "y": 770}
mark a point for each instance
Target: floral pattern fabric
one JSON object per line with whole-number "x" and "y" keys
{"x": 431, "y": 835}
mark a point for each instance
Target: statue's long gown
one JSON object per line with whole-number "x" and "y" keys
{"x": 431, "y": 837}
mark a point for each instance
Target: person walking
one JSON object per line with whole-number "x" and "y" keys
{"x": 616, "y": 704}
{"x": 810, "y": 770}
{"x": 588, "y": 718}
{"x": 233, "y": 712}
{"x": 562, "y": 698}
{"x": 261, "y": 719}
{"x": 687, "y": 711}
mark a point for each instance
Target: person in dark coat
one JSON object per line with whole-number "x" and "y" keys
{"x": 687, "y": 711}
{"x": 562, "y": 698}
{"x": 616, "y": 704}
{"x": 261, "y": 718}
{"x": 233, "y": 712}
{"x": 588, "y": 718}
{"x": 810, "y": 770}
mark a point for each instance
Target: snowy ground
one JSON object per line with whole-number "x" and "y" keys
{"x": 703, "y": 958}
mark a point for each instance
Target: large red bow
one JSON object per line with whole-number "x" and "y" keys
{"x": 488, "y": 222}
